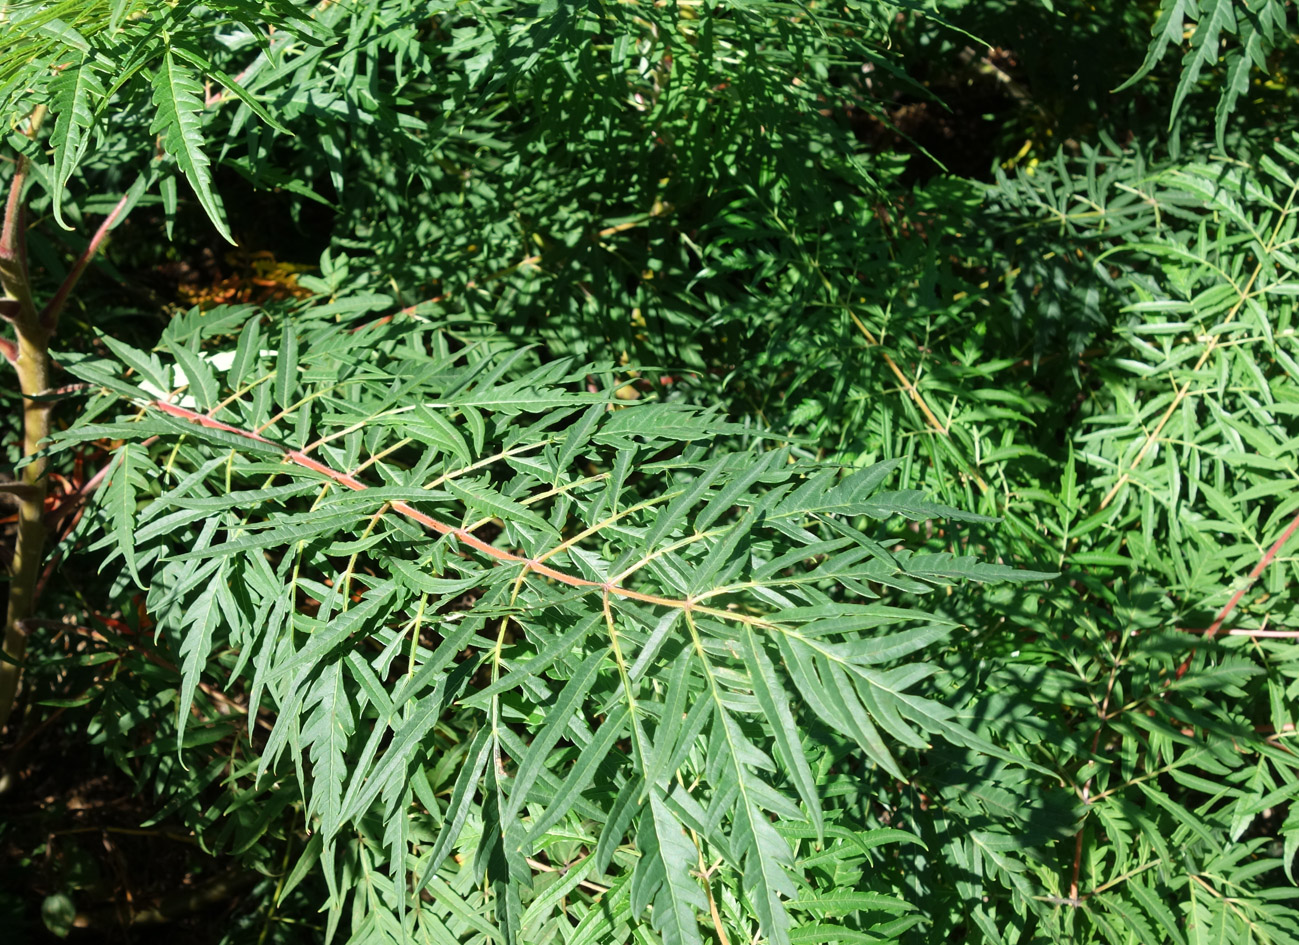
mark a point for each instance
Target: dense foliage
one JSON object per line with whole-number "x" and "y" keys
{"x": 732, "y": 472}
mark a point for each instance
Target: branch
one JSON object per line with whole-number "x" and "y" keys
{"x": 31, "y": 362}
{"x": 49, "y": 318}
{"x": 13, "y": 235}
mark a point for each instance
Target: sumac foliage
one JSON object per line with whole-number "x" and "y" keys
{"x": 695, "y": 472}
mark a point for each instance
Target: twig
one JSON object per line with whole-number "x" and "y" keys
{"x": 1103, "y": 716}
{"x": 705, "y": 875}
{"x": 13, "y": 235}
{"x": 547, "y": 868}
{"x": 50, "y": 313}
{"x": 1259, "y": 568}
{"x": 128, "y": 832}
{"x": 1241, "y": 632}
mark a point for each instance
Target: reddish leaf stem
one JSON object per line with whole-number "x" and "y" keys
{"x": 462, "y": 535}
{"x": 1253, "y": 575}
{"x": 1259, "y": 568}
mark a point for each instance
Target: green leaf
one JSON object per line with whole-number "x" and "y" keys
{"x": 457, "y": 812}
{"x": 148, "y": 366}
{"x": 178, "y": 98}
{"x": 284, "y": 531}
{"x": 246, "y": 353}
{"x": 558, "y": 717}
{"x": 201, "y": 622}
{"x": 484, "y": 501}
{"x": 74, "y": 94}
{"x": 968, "y": 568}
{"x": 770, "y": 692}
{"x": 843, "y": 902}
{"x": 286, "y": 369}
{"x": 197, "y": 376}
{"x": 59, "y": 913}
{"x": 663, "y": 876}
{"x": 835, "y": 702}
{"x": 580, "y": 776}
{"x": 327, "y": 732}
{"x": 442, "y": 432}
{"x": 1166, "y": 30}
{"x": 766, "y": 859}
{"x": 120, "y": 497}
{"x": 207, "y": 68}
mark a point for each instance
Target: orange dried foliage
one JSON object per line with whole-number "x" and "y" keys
{"x": 256, "y": 277}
